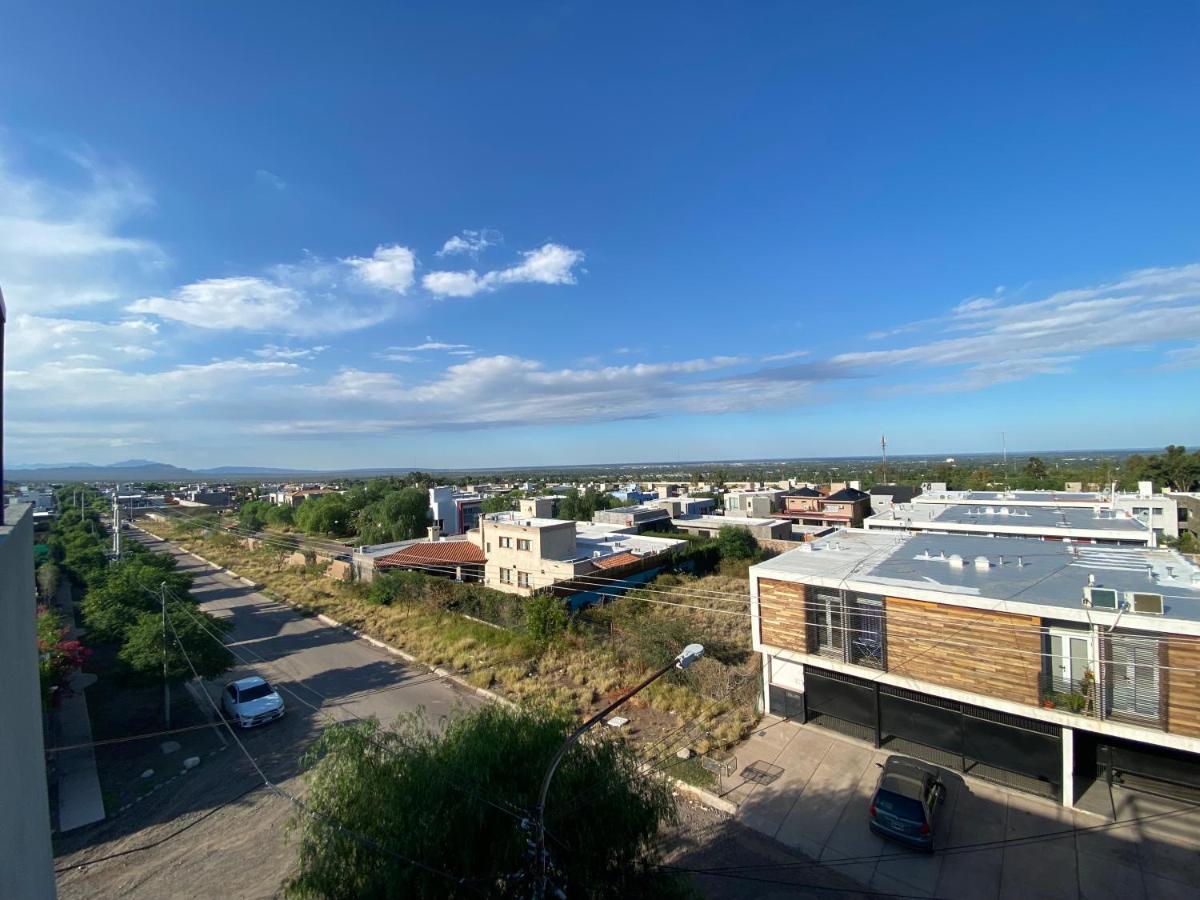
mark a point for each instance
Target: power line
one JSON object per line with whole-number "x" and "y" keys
{"x": 893, "y": 615}
{"x": 361, "y": 839}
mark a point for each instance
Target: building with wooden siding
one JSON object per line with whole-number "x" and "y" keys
{"x": 1044, "y": 665}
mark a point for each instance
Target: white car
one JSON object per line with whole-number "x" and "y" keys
{"x": 251, "y": 701}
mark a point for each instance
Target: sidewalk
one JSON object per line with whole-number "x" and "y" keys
{"x": 80, "y": 801}
{"x": 810, "y": 789}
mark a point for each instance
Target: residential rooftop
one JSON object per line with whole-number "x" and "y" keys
{"x": 1002, "y": 573}
{"x": 515, "y": 518}
{"x": 717, "y": 522}
{"x": 1027, "y": 518}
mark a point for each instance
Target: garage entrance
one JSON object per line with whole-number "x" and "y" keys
{"x": 1015, "y": 751}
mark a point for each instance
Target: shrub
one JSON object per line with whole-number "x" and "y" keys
{"x": 545, "y": 617}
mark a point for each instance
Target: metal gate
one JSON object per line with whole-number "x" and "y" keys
{"x": 1018, "y": 752}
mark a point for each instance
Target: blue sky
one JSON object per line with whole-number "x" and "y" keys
{"x": 484, "y": 234}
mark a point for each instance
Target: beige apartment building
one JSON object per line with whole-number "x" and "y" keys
{"x": 526, "y": 553}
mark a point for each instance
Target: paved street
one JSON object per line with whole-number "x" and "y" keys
{"x": 242, "y": 847}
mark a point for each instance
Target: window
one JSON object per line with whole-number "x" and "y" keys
{"x": 1132, "y": 676}
{"x": 866, "y": 633}
{"x": 523, "y": 579}
{"x": 825, "y": 624}
{"x": 506, "y": 543}
{"x": 524, "y": 544}
{"x": 506, "y": 576}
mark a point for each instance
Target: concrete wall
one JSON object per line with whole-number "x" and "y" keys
{"x": 26, "y": 860}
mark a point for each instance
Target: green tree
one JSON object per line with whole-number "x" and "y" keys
{"x": 399, "y": 516}
{"x": 253, "y": 514}
{"x": 1035, "y": 469}
{"x": 545, "y": 617}
{"x": 735, "y": 542}
{"x": 329, "y": 514}
{"x": 130, "y": 588}
{"x": 196, "y": 630}
{"x": 445, "y": 801}
{"x": 581, "y": 506}
{"x": 503, "y": 503}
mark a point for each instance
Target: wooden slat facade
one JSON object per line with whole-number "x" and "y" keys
{"x": 781, "y": 607}
{"x": 1183, "y": 685}
{"x": 977, "y": 656}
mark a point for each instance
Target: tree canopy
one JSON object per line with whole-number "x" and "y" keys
{"x": 581, "y": 506}
{"x": 736, "y": 542}
{"x": 398, "y": 515}
{"x": 447, "y": 801}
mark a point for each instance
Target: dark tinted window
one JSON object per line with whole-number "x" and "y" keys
{"x": 901, "y": 807}
{"x": 253, "y": 693}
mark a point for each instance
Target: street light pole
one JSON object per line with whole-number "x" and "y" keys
{"x": 690, "y": 654}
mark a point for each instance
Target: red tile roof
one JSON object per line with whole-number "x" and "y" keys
{"x": 434, "y": 553}
{"x": 616, "y": 560}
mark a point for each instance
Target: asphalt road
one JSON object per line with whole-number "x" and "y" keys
{"x": 242, "y": 849}
{"x": 313, "y": 664}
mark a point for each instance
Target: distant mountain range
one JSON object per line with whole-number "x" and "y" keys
{"x": 140, "y": 470}
{"x": 131, "y": 470}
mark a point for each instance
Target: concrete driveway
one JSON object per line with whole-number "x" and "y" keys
{"x": 810, "y": 789}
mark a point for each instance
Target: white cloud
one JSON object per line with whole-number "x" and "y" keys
{"x": 66, "y": 245}
{"x": 470, "y": 242}
{"x": 271, "y": 351}
{"x": 431, "y": 344}
{"x": 38, "y": 339}
{"x": 270, "y": 179}
{"x": 307, "y": 298}
{"x": 991, "y": 342}
{"x": 549, "y": 264}
{"x": 780, "y": 357}
{"x": 1183, "y": 358}
{"x": 389, "y": 268}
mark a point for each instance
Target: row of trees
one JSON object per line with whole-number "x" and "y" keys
{"x": 382, "y": 510}
{"x": 122, "y": 601}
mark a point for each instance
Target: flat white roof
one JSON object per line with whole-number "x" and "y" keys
{"x": 719, "y": 521}
{"x": 1012, "y": 570}
{"x": 515, "y": 518}
{"x": 1027, "y": 519}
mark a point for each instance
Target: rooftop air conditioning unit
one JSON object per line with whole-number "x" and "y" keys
{"x": 1100, "y": 598}
{"x": 1147, "y": 604}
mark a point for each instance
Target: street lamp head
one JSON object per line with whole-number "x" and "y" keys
{"x": 690, "y": 654}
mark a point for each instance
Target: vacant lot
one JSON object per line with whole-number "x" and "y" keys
{"x": 607, "y": 651}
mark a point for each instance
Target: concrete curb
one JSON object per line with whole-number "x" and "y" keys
{"x": 703, "y": 796}
{"x": 409, "y": 658}
{"x": 374, "y": 642}
{"x": 699, "y": 794}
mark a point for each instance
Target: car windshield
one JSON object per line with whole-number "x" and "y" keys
{"x": 254, "y": 693}
{"x": 901, "y": 807}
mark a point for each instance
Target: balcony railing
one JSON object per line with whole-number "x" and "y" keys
{"x": 1067, "y": 695}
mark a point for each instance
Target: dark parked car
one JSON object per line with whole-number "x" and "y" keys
{"x": 906, "y": 801}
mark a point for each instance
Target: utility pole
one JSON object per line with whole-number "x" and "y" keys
{"x": 883, "y": 447}
{"x": 1004, "y": 452}
{"x": 166, "y": 684}
{"x": 116, "y": 517}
